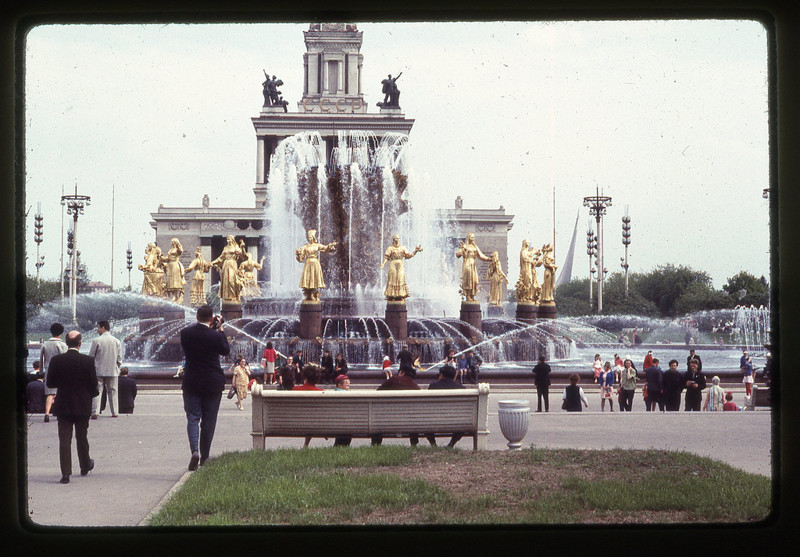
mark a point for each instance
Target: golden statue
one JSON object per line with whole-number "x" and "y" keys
{"x": 549, "y": 279}
{"x": 149, "y": 287}
{"x": 311, "y": 280}
{"x": 396, "y": 287}
{"x": 496, "y": 278}
{"x": 158, "y": 274}
{"x": 528, "y": 289}
{"x": 525, "y": 281}
{"x": 197, "y": 292}
{"x": 228, "y": 264}
{"x": 250, "y": 288}
{"x": 173, "y": 289}
{"x": 469, "y": 270}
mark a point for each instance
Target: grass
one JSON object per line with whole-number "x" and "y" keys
{"x": 401, "y": 485}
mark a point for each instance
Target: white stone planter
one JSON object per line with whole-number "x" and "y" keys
{"x": 513, "y": 417}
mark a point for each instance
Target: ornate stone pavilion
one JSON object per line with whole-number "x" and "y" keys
{"x": 333, "y": 101}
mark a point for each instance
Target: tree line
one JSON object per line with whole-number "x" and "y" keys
{"x": 666, "y": 291}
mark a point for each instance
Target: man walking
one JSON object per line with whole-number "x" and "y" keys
{"x": 541, "y": 378}
{"x": 73, "y": 374}
{"x": 107, "y": 353}
{"x": 51, "y": 347}
{"x": 203, "y": 381}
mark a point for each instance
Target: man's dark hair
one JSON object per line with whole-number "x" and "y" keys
{"x": 105, "y": 324}
{"x": 56, "y": 329}
{"x": 673, "y": 362}
{"x": 655, "y": 361}
{"x": 37, "y": 364}
{"x": 73, "y": 340}
{"x": 310, "y": 374}
{"x": 205, "y": 313}
{"x": 541, "y": 359}
{"x": 448, "y": 372}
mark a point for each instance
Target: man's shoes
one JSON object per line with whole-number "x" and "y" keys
{"x": 89, "y": 469}
{"x": 46, "y": 418}
{"x": 193, "y": 461}
{"x": 94, "y": 416}
{"x": 64, "y": 479}
{"x": 115, "y": 415}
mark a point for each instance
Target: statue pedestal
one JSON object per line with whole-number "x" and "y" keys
{"x": 154, "y": 310}
{"x": 495, "y": 311}
{"x": 390, "y": 110}
{"x": 397, "y": 319}
{"x": 172, "y": 313}
{"x": 231, "y": 311}
{"x": 527, "y": 312}
{"x": 547, "y": 310}
{"x": 310, "y": 320}
{"x": 471, "y": 314}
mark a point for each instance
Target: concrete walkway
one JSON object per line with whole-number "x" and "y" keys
{"x": 141, "y": 457}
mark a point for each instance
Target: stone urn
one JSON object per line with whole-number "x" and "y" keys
{"x": 513, "y": 416}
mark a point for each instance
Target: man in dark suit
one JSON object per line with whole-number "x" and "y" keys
{"x": 655, "y": 386}
{"x": 541, "y": 378}
{"x": 73, "y": 374}
{"x": 695, "y": 383}
{"x": 203, "y": 381}
{"x": 126, "y": 389}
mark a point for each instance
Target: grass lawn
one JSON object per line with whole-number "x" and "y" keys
{"x": 400, "y": 485}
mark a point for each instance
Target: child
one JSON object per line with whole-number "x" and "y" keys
{"x": 387, "y": 367}
{"x": 573, "y": 396}
{"x": 606, "y": 387}
{"x": 729, "y": 404}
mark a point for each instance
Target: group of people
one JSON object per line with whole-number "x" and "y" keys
{"x": 661, "y": 390}
{"x": 73, "y": 385}
{"x": 467, "y": 365}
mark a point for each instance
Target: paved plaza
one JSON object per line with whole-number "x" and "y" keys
{"x": 141, "y": 457}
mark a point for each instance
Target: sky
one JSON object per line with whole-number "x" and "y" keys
{"x": 669, "y": 118}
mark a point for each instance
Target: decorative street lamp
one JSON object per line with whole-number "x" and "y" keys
{"x": 626, "y": 241}
{"x": 591, "y": 250}
{"x": 37, "y": 237}
{"x": 129, "y": 254}
{"x": 597, "y": 208}
{"x": 75, "y": 205}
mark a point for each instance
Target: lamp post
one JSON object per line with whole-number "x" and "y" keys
{"x": 626, "y": 241}
{"x": 591, "y": 250}
{"x": 37, "y": 237}
{"x": 75, "y": 205}
{"x": 597, "y": 208}
{"x": 129, "y": 254}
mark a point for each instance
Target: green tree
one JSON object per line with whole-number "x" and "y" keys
{"x": 700, "y": 297}
{"x": 572, "y": 298}
{"x": 666, "y": 283}
{"x": 616, "y": 302}
{"x": 747, "y": 290}
{"x": 38, "y": 294}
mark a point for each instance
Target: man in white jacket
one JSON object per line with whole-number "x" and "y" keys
{"x": 107, "y": 353}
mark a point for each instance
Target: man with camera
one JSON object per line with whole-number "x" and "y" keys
{"x": 203, "y": 380}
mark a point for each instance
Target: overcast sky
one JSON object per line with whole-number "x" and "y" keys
{"x": 669, "y": 118}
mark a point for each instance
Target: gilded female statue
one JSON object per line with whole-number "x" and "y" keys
{"x": 250, "y": 288}
{"x": 228, "y": 264}
{"x": 149, "y": 269}
{"x": 311, "y": 280}
{"x": 174, "y": 272}
{"x": 526, "y": 271}
{"x": 496, "y": 278}
{"x": 469, "y": 270}
{"x": 395, "y": 255}
{"x": 158, "y": 271}
{"x": 197, "y": 291}
{"x": 549, "y": 279}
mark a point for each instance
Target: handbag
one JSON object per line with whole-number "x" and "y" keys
{"x": 644, "y": 391}
{"x": 564, "y": 405}
{"x": 232, "y": 392}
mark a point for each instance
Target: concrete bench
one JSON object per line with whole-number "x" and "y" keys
{"x": 358, "y": 413}
{"x": 759, "y": 397}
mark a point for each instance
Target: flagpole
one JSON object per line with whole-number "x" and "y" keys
{"x": 112, "y": 237}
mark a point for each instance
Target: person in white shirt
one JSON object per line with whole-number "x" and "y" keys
{"x": 50, "y": 348}
{"x": 107, "y": 353}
